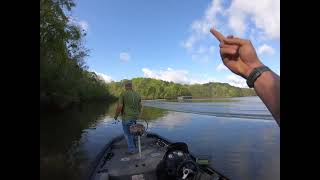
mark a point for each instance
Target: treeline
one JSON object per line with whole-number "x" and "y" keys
{"x": 219, "y": 90}
{"x": 157, "y": 89}
{"x": 64, "y": 78}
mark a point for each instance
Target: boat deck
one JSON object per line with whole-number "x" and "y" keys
{"x": 117, "y": 163}
{"x": 113, "y": 163}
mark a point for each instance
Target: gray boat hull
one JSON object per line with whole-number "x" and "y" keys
{"x": 113, "y": 163}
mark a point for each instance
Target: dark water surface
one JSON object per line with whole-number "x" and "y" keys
{"x": 239, "y": 135}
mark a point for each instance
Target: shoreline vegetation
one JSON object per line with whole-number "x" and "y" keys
{"x": 64, "y": 76}
{"x": 152, "y": 89}
{"x": 65, "y": 80}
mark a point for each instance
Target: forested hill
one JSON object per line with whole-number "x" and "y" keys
{"x": 64, "y": 79}
{"x": 64, "y": 76}
{"x": 157, "y": 89}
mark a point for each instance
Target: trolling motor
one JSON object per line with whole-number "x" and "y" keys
{"x": 177, "y": 163}
{"x": 137, "y": 130}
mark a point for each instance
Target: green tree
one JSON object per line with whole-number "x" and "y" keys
{"x": 64, "y": 78}
{"x": 153, "y": 88}
{"x": 152, "y": 92}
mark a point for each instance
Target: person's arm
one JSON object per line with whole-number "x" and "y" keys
{"x": 119, "y": 107}
{"x": 140, "y": 108}
{"x": 240, "y": 57}
{"x": 267, "y": 87}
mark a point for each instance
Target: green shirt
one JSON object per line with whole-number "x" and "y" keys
{"x": 130, "y": 101}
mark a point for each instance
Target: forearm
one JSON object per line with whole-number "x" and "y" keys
{"x": 140, "y": 110}
{"x": 267, "y": 87}
{"x": 140, "y": 107}
{"x": 118, "y": 111}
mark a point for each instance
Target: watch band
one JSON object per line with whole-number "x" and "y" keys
{"x": 256, "y": 72}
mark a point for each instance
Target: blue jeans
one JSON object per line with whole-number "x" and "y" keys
{"x": 129, "y": 137}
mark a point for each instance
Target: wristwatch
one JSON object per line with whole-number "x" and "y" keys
{"x": 256, "y": 72}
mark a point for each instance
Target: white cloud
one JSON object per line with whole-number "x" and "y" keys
{"x": 221, "y": 67}
{"x": 203, "y": 54}
{"x": 124, "y": 56}
{"x": 265, "y": 49}
{"x": 236, "y": 22}
{"x": 264, "y": 14}
{"x": 184, "y": 77}
{"x": 203, "y": 80}
{"x": 259, "y": 20}
{"x": 200, "y": 27}
{"x": 202, "y": 49}
{"x": 204, "y": 59}
{"x": 237, "y": 81}
{"x": 104, "y": 77}
{"x": 188, "y": 44}
{"x": 177, "y": 76}
{"x": 212, "y": 49}
{"x": 200, "y": 31}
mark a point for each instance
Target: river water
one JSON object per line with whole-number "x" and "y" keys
{"x": 238, "y": 134}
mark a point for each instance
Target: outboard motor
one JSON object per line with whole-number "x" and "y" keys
{"x": 177, "y": 163}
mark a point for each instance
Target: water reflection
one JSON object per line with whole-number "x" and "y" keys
{"x": 244, "y": 107}
{"x": 172, "y": 120}
{"x": 240, "y": 148}
{"x": 70, "y": 140}
{"x": 60, "y": 136}
{"x": 152, "y": 114}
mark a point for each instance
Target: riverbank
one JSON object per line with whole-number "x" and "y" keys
{"x": 61, "y": 103}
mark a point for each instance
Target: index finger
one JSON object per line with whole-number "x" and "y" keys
{"x": 217, "y": 34}
{"x": 236, "y": 41}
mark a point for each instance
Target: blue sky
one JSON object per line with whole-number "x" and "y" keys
{"x": 170, "y": 40}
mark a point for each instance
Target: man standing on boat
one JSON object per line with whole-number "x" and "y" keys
{"x": 129, "y": 105}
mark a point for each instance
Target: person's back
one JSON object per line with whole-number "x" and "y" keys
{"x": 131, "y": 105}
